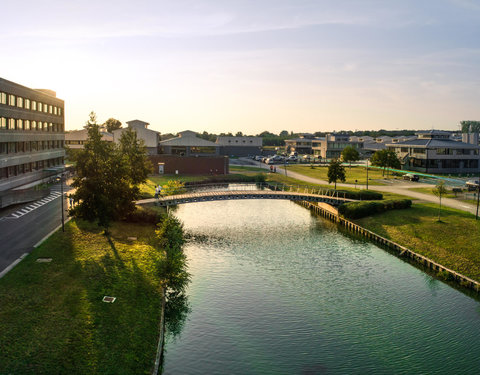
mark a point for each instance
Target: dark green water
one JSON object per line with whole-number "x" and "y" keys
{"x": 276, "y": 290}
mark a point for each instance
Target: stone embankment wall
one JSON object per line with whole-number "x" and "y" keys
{"x": 331, "y": 213}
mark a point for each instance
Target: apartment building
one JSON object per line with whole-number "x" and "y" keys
{"x": 32, "y": 136}
{"x": 435, "y": 152}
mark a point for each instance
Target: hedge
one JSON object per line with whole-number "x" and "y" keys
{"x": 357, "y": 210}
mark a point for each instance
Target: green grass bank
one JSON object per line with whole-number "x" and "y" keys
{"x": 53, "y": 320}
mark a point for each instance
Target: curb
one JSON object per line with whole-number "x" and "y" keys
{"x": 49, "y": 234}
{"x": 13, "y": 264}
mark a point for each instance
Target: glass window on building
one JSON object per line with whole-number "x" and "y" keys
{"x": 12, "y": 171}
{"x": 26, "y": 124}
{"x": 11, "y": 100}
{"x": 59, "y": 111}
{"x": 12, "y": 147}
{"x": 3, "y": 147}
{"x": 34, "y": 105}
{"x": 55, "y": 110}
{"x": 50, "y": 109}
{"x": 19, "y": 101}
{"x": 27, "y": 104}
{"x": 33, "y": 125}
{"x": 28, "y": 146}
{"x": 3, "y": 123}
{"x": 3, "y": 98}
{"x": 11, "y": 124}
{"x": 50, "y": 127}
{"x": 45, "y": 108}
{"x": 20, "y": 124}
{"x": 34, "y": 145}
{"x": 39, "y": 107}
{"x": 20, "y": 147}
{"x": 444, "y": 151}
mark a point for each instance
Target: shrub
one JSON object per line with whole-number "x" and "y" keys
{"x": 143, "y": 215}
{"x": 357, "y": 210}
{"x": 364, "y": 195}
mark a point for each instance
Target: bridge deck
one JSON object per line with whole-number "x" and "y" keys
{"x": 206, "y": 196}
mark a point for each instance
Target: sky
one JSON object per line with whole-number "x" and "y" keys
{"x": 250, "y": 65}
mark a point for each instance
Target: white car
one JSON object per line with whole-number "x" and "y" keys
{"x": 292, "y": 158}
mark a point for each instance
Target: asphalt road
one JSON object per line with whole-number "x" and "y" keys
{"x": 19, "y": 235}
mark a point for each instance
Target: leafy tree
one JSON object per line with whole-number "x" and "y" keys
{"x": 350, "y": 154}
{"x": 470, "y": 126}
{"x": 336, "y": 172}
{"x": 106, "y": 182}
{"x": 239, "y": 134}
{"x": 439, "y": 190}
{"x": 112, "y": 124}
{"x": 134, "y": 152}
{"x": 283, "y": 133}
{"x": 386, "y": 159}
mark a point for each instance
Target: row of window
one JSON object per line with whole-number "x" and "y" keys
{"x": 19, "y": 124}
{"x": 441, "y": 151}
{"x": 29, "y": 146}
{"x": 16, "y": 170}
{"x": 33, "y": 105}
{"x": 445, "y": 163}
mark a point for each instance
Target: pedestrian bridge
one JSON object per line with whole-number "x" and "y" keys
{"x": 243, "y": 191}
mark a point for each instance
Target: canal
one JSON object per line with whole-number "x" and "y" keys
{"x": 275, "y": 290}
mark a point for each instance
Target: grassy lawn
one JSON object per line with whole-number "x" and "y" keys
{"x": 53, "y": 320}
{"x": 448, "y": 195}
{"x": 454, "y": 242}
{"x": 278, "y": 177}
{"x": 246, "y": 170}
{"x": 352, "y": 174}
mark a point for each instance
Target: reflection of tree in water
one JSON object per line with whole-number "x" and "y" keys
{"x": 177, "y": 308}
{"x": 172, "y": 269}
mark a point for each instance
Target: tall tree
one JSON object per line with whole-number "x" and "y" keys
{"x": 350, "y": 154}
{"x": 112, "y": 124}
{"x": 385, "y": 159}
{"x": 336, "y": 172}
{"x": 470, "y": 126}
{"x": 106, "y": 182}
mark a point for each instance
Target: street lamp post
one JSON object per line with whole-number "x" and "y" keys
{"x": 367, "y": 174}
{"x": 61, "y": 198}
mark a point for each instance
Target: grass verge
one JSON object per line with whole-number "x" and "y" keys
{"x": 352, "y": 174}
{"x": 53, "y": 320}
{"x": 454, "y": 242}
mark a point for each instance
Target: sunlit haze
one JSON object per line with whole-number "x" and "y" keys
{"x": 251, "y": 65}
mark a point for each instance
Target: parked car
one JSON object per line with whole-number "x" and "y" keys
{"x": 292, "y": 158}
{"x": 259, "y": 157}
{"x": 411, "y": 177}
{"x": 275, "y": 159}
{"x": 472, "y": 184}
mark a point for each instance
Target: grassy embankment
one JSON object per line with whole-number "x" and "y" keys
{"x": 53, "y": 320}
{"x": 450, "y": 194}
{"x": 352, "y": 174}
{"x": 454, "y": 242}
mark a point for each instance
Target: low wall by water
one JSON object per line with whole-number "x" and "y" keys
{"x": 331, "y": 214}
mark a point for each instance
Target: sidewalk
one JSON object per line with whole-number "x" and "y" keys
{"x": 402, "y": 190}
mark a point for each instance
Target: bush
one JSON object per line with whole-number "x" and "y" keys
{"x": 357, "y": 210}
{"x": 143, "y": 215}
{"x": 364, "y": 195}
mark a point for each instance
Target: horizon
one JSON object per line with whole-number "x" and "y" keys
{"x": 301, "y": 66}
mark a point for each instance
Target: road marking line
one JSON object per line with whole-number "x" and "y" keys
{"x": 14, "y": 215}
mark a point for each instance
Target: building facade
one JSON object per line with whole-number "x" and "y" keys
{"x": 240, "y": 146}
{"x": 32, "y": 134}
{"x": 435, "y": 152}
{"x": 150, "y": 138}
{"x": 75, "y": 139}
{"x": 332, "y": 145}
{"x": 188, "y": 144}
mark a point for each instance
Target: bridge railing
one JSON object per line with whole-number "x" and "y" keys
{"x": 236, "y": 186}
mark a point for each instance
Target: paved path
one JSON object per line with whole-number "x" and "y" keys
{"x": 398, "y": 187}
